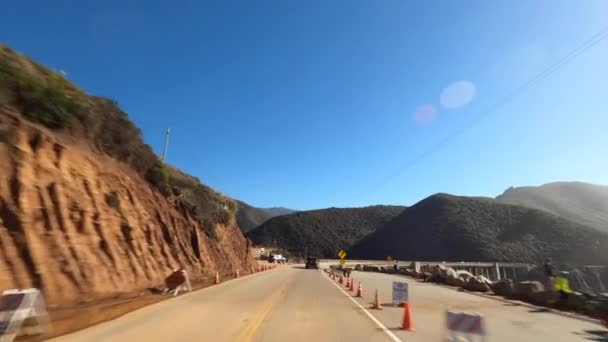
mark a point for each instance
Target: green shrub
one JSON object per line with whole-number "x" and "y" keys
{"x": 46, "y": 97}
{"x": 158, "y": 175}
{"x": 44, "y": 101}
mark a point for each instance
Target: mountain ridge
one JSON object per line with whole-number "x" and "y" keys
{"x": 457, "y": 228}
{"x": 582, "y": 202}
{"x": 323, "y": 232}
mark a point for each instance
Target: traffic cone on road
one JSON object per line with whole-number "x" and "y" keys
{"x": 347, "y": 283}
{"x": 376, "y": 303}
{"x": 352, "y": 286}
{"x": 407, "y": 318}
{"x": 217, "y": 277}
{"x": 359, "y": 291}
{"x": 341, "y": 281}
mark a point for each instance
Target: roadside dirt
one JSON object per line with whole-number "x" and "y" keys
{"x": 65, "y": 321}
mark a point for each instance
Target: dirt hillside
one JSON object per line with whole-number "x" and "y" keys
{"x": 84, "y": 227}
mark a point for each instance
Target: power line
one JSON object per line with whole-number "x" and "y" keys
{"x": 551, "y": 69}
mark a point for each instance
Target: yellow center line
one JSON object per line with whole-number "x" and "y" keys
{"x": 247, "y": 334}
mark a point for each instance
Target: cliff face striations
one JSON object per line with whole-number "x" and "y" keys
{"x": 83, "y": 227}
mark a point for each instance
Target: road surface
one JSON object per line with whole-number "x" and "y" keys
{"x": 295, "y": 304}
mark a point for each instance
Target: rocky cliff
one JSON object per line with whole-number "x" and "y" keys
{"x": 83, "y": 226}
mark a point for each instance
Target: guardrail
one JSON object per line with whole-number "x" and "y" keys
{"x": 491, "y": 270}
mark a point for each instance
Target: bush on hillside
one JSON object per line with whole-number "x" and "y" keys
{"x": 45, "y": 101}
{"x": 46, "y": 97}
{"x": 323, "y": 232}
{"x": 158, "y": 175}
{"x": 210, "y": 206}
{"x": 451, "y": 228}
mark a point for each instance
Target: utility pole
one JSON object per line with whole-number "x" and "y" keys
{"x": 306, "y": 252}
{"x": 166, "y": 143}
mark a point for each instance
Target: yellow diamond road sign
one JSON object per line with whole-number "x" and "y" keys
{"x": 342, "y": 262}
{"x": 342, "y": 254}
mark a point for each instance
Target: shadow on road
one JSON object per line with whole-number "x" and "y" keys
{"x": 512, "y": 304}
{"x": 154, "y": 291}
{"x": 391, "y": 329}
{"x": 539, "y": 310}
{"x": 594, "y": 335}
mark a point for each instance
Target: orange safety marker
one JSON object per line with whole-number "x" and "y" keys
{"x": 376, "y": 303}
{"x": 407, "y": 318}
{"x": 341, "y": 281}
{"x": 352, "y": 286}
{"x": 360, "y": 291}
{"x": 217, "y": 277}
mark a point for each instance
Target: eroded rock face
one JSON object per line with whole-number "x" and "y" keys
{"x": 83, "y": 227}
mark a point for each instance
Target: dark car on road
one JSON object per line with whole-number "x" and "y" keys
{"x": 312, "y": 263}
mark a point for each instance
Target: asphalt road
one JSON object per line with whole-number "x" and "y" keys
{"x": 294, "y": 304}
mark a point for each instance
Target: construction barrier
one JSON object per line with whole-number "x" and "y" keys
{"x": 22, "y": 311}
{"x": 468, "y": 324}
{"x": 177, "y": 281}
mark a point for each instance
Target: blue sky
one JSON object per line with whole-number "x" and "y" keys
{"x": 310, "y": 104}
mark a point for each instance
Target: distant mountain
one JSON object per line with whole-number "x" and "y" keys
{"x": 278, "y": 211}
{"x": 579, "y": 202}
{"x": 451, "y": 228}
{"x": 323, "y": 232}
{"x": 249, "y": 217}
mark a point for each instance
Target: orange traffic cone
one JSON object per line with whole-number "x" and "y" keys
{"x": 352, "y": 286}
{"x": 341, "y": 281}
{"x": 217, "y": 277}
{"x": 376, "y": 303}
{"x": 407, "y": 318}
{"x": 347, "y": 283}
{"x": 333, "y": 276}
{"x": 359, "y": 291}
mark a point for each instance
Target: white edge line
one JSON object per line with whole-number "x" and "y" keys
{"x": 378, "y": 323}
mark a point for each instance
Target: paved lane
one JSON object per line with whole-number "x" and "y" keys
{"x": 504, "y": 321}
{"x": 286, "y": 304}
{"x": 294, "y": 304}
